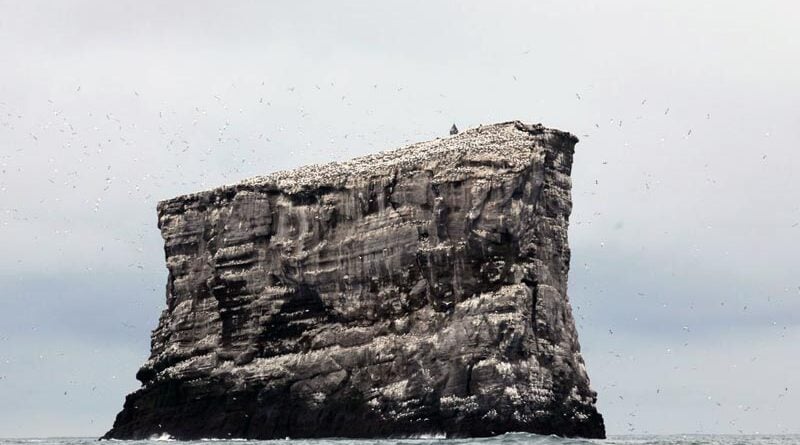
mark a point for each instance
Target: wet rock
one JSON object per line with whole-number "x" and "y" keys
{"x": 421, "y": 290}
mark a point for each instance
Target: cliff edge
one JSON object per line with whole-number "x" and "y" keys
{"x": 415, "y": 291}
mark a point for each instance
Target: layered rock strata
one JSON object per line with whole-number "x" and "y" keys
{"x": 415, "y": 291}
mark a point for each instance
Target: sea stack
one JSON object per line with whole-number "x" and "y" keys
{"x": 416, "y": 291}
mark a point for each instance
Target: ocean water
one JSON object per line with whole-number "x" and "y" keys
{"x": 506, "y": 439}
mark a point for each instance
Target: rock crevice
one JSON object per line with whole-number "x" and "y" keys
{"x": 416, "y": 291}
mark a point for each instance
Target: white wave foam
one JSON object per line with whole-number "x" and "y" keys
{"x": 427, "y": 436}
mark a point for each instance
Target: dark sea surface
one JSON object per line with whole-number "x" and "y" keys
{"x": 506, "y": 439}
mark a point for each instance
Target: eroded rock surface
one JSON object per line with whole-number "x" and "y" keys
{"x": 416, "y": 291}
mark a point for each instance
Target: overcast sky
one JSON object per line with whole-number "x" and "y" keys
{"x": 686, "y": 225}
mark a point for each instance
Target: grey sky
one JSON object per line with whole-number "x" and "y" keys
{"x": 686, "y": 222}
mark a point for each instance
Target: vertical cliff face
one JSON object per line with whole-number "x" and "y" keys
{"x": 421, "y": 290}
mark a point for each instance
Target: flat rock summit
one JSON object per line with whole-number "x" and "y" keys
{"x": 416, "y": 291}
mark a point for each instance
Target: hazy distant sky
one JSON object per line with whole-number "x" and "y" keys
{"x": 685, "y": 233}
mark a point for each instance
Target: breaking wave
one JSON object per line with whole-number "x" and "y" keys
{"x": 439, "y": 439}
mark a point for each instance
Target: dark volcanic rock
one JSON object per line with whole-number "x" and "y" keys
{"x": 421, "y": 290}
